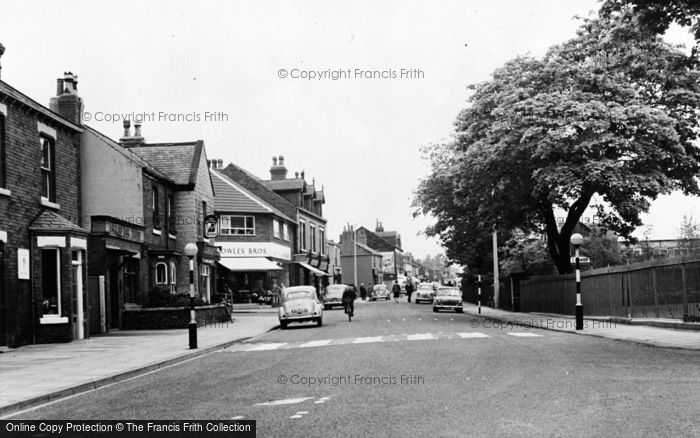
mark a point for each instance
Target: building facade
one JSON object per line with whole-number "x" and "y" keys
{"x": 310, "y": 258}
{"x": 367, "y": 260}
{"x": 43, "y": 247}
{"x": 255, "y": 241}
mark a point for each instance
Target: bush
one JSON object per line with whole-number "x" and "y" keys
{"x": 160, "y": 296}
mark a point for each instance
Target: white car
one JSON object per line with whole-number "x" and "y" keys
{"x": 300, "y": 304}
{"x": 425, "y": 292}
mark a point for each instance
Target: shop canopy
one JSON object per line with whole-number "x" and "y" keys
{"x": 313, "y": 270}
{"x": 248, "y": 264}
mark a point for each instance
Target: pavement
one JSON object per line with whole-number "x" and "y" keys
{"x": 36, "y": 374}
{"x": 682, "y": 335}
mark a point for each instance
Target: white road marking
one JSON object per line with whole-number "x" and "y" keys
{"x": 524, "y": 335}
{"x": 320, "y": 343}
{"x": 472, "y": 335}
{"x": 272, "y": 346}
{"x": 289, "y": 401}
{"x": 367, "y": 340}
{"x": 238, "y": 417}
{"x": 295, "y": 416}
{"x": 302, "y": 412}
{"x": 419, "y": 319}
{"x": 420, "y": 336}
{"x": 318, "y": 402}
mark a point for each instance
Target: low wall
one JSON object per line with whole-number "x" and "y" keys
{"x": 172, "y": 317}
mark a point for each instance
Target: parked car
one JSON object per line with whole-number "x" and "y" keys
{"x": 448, "y": 298}
{"x": 333, "y": 296}
{"x": 380, "y": 291}
{"x": 300, "y": 304}
{"x": 425, "y": 292}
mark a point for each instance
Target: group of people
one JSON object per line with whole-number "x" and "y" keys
{"x": 396, "y": 290}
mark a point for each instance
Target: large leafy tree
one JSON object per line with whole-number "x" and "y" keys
{"x": 611, "y": 112}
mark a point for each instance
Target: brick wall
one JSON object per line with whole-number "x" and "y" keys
{"x": 19, "y": 209}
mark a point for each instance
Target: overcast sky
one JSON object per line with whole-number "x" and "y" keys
{"x": 359, "y": 137}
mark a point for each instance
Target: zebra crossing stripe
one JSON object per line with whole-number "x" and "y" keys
{"x": 524, "y": 335}
{"x": 472, "y": 335}
{"x": 320, "y": 343}
{"x": 368, "y": 340}
{"x": 272, "y": 346}
{"x": 420, "y": 336}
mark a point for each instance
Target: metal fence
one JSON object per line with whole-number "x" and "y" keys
{"x": 670, "y": 290}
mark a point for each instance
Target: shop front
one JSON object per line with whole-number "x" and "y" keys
{"x": 252, "y": 269}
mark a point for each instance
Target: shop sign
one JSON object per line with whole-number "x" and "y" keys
{"x": 254, "y": 249}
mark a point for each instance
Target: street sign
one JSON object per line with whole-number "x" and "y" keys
{"x": 211, "y": 226}
{"x": 581, "y": 260}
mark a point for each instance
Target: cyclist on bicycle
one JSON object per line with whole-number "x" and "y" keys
{"x": 349, "y": 297}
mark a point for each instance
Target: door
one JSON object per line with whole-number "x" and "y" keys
{"x": 3, "y": 305}
{"x": 77, "y": 286}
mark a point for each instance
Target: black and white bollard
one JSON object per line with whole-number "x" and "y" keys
{"x": 576, "y": 240}
{"x": 479, "y": 297}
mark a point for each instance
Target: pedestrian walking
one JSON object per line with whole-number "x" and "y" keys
{"x": 363, "y": 291}
{"x": 396, "y": 289}
{"x": 409, "y": 289}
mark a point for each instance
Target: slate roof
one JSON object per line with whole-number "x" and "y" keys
{"x": 31, "y": 103}
{"x": 52, "y": 221}
{"x": 257, "y": 186}
{"x": 285, "y": 184}
{"x": 178, "y": 161}
{"x": 231, "y": 197}
{"x": 376, "y": 242}
{"x": 129, "y": 153}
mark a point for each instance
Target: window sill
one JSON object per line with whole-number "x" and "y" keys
{"x": 46, "y": 203}
{"x": 53, "y": 320}
{"x": 157, "y": 232}
{"x": 5, "y": 192}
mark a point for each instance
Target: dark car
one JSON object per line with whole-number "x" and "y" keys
{"x": 448, "y": 298}
{"x": 333, "y": 296}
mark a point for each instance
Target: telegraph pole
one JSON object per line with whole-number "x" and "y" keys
{"x": 496, "y": 285}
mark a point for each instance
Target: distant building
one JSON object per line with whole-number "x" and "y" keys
{"x": 367, "y": 260}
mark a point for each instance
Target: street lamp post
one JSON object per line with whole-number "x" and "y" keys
{"x": 577, "y": 240}
{"x": 190, "y": 252}
{"x": 354, "y": 253}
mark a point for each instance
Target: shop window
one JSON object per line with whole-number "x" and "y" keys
{"x": 237, "y": 225}
{"x": 51, "y": 282}
{"x": 276, "y": 228}
{"x": 48, "y": 168}
{"x": 161, "y": 273}
{"x": 204, "y": 285}
{"x": 285, "y": 232}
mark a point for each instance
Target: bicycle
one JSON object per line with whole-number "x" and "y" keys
{"x": 348, "y": 310}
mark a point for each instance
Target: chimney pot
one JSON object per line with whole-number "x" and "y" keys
{"x": 281, "y": 160}
{"x": 209, "y": 164}
{"x": 127, "y": 128}
{"x": 296, "y": 175}
{"x": 274, "y": 161}
{"x": 220, "y": 163}
{"x": 2, "y": 51}
{"x": 137, "y": 128}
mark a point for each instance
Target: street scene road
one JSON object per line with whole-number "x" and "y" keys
{"x": 402, "y": 370}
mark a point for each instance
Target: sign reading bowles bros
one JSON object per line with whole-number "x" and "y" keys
{"x": 254, "y": 249}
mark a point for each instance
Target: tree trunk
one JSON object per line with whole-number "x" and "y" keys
{"x": 558, "y": 240}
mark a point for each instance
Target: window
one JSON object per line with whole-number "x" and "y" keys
{"x": 285, "y": 232}
{"x": 313, "y": 237}
{"x": 51, "y": 281}
{"x": 236, "y": 225}
{"x": 161, "y": 273}
{"x": 302, "y": 235}
{"x": 48, "y": 171}
{"x": 276, "y": 228}
{"x": 322, "y": 240}
{"x": 156, "y": 209}
{"x": 204, "y": 286}
{"x": 172, "y": 229}
{"x": 173, "y": 276}
{"x": 3, "y": 165}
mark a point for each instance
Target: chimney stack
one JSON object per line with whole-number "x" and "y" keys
{"x": 129, "y": 141}
{"x": 220, "y": 163}
{"x": 67, "y": 103}
{"x": 278, "y": 171}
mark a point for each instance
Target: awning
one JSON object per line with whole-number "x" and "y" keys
{"x": 313, "y": 270}
{"x": 248, "y": 264}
